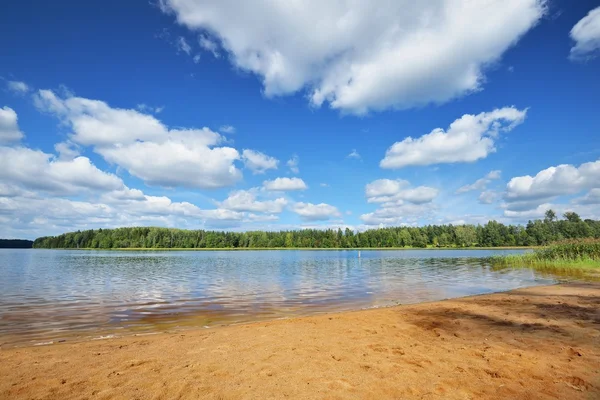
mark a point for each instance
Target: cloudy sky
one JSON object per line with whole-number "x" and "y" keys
{"x": 292, "y": 114}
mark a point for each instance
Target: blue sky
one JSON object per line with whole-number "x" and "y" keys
{"x": 266, "y": 115}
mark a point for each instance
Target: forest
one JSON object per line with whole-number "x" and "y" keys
{"x": 15, "y": 244}
{"x": 492, "y": 234}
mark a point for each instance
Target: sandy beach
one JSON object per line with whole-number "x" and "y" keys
{"x": 533, "y": 343}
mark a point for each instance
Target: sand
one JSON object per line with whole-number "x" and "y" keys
{"x": 534, "y": 343}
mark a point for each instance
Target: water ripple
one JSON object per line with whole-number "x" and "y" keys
{"x": 48, "y": 296}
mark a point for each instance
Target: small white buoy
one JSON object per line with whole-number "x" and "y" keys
{"x": 359, "y": 254}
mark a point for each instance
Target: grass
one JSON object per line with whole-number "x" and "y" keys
{"x": 566, "y": 254}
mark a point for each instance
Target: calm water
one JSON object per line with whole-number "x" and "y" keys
{"x": 50, "y": 295}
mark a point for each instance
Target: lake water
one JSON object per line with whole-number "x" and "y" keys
{"x": 53, "y": 295}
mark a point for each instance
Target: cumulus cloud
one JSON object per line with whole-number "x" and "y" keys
{"x": 34, "y": 169}
{"x": 522, "y": 216}
{"x": 361, "y": 56}
{"x": 262, "y": 217}
{"x": 183, "y": 159}
{"x": 18, "y": 87}
{"x": 315, "y": 212}
{"x": 527, "y": 192}
{"x": 38, "y": 191}
{"x": 480, "y": 184}
{"x": 258, "y": 162}
{"x": 401, "y": 214}
{"x": 467, "y": 139}
{"x": 488, "y": 197}
{"x": 143, "y": 145}
{"x": 245, "y": 200}
{"x": 66, "y": 150}
{"x": 399, "y": 203}
{"x": 9, "y": 128}
{"x": 586, "y": 34}
{"x": 397, "y": 191}
{"x": 592, "y": 197}
{"x": 34, "y": 215}
{"x": 285, "y": 184}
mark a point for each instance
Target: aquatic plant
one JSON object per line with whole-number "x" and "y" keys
{"x": 572, "y": 253}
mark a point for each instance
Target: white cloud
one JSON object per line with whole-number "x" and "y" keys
{"x": 586, "y": 34}
{"x": 18, "y": 87}
{"x": 9, "y": 190}
{"x": 468, "y": 139}
{"x": 35, "y": 184}
{"x": 384, "y": 187}
{"x": 143, "y": 145}
{"x": 315, "y": 212}
{"x": 33, "y": 215}
{"x": 360, "y": 56}
{"x": 183, "y": 159}
{"x": 495, "y": 174}
{"x": 245, "y": 200}
{"x": 480, "y": 184}
{"x": 324, "y": 184}
{"x": 227, "y": 129}
{"x": 95, "y": 123}
{"x": 398, "y": 202}
{"x": 34, "y": 169}
{"x": 488, "y": 197}
{"x": 401, "y": 214}
{"x": 258, "y": 162}
{"x": 285, "y": 184}
{"x": 397, "y": 191}
{"x": 9, "y": 127}
{"x": 592, "y": 197}
{"x": 535, "y": 213}
{"x": 292, "y": 164}
{"x": 66, "y": 150}
{"x": 196, "y": 58}
{"x": 262, "y": 217}
{"x": 145, "y": 108}
{"x": 354, "y": 154}
{"x": 522, "y": 216}
{"x": 182, "y": 45}
{"x": 209, "y": 45}
{"x": 526, "y": 192}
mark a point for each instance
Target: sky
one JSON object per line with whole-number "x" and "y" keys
{"x": 278, "y": 115}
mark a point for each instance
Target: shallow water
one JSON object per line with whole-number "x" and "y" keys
{"x": 53, "y": 295}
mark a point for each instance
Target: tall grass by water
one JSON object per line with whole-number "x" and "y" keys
{"x": 574, "y": 253}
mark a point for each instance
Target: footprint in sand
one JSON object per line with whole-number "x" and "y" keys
{"x": 577, "y": 383}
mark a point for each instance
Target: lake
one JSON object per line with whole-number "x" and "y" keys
{"x": 54, "y": 295}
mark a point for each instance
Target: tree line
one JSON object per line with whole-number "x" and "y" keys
{"x": 492, "y": 234}
{"x": 15, "y": 244}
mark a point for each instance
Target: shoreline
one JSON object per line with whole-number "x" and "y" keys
{"x": 293, "y": 248}
{"x": 191, "y": 327}
{"x": 541, "y": 342}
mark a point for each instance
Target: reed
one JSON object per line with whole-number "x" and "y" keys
{"x": 574, "y": 253}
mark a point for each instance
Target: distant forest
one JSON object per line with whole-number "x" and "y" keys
{"x": 15, "y": 244}
{"x": 492, "y": 234}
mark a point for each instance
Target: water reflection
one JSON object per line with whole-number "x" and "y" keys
{"x": 52, "y": 295}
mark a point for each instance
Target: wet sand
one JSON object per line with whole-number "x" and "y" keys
{"x": 534, "y": 343}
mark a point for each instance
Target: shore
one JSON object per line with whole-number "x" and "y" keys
{"x": 289, "y": 248}
{"x": 533, "y": 343}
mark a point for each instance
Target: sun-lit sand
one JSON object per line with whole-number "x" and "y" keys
{"x": 534, "y": 343}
